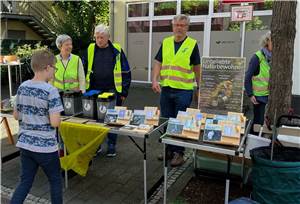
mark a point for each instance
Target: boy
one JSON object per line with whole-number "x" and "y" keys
{"x": 37, "y": 109}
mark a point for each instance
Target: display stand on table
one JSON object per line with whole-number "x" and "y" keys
{"x": 229, "y": 151}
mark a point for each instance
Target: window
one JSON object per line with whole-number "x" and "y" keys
{"x": 219, "y": 6}
{"x": 193, "y": 8}
{"x": 138, "y": 49}
{"x": 138, "y": 10}
{"x": 165, "y": 8}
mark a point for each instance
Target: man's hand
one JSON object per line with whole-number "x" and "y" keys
{"x": 253, "y": 100}
{"x": 156, "y": 87}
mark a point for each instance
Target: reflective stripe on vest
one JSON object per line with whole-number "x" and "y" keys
{"x": 66, "y": 78}
{"x": 260, "y": 83}
{"x": 176, "y": 71}
{"x": 117, "y": 68}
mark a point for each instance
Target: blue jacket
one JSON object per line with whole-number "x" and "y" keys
{"x": 126, "y": 73}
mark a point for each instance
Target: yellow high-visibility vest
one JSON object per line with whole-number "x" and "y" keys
{"x": 117, "y": 68}
{"x": 260, "y": 83}
{"x": 66, "y": 78}
{"x": 176, "y": 71}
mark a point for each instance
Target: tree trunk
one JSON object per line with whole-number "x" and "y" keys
{"x": 283, "y": 29}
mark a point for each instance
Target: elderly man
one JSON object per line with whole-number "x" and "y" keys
{"x": 107, "y": 70}
{"x": 69, "y": 75}
{"x": 177, "y": 63}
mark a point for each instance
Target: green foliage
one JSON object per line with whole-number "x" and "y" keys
{"x": 255, "y": 24}
{"x": 160, "y": 7}
{"x": 25, "y": 51}
{"x": 268, "y": 4}
{"x": 188, "y": 4}
{"x": 78, "y": 19}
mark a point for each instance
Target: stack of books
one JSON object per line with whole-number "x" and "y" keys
{"x": 118, "y": 116}
{"x": 221, "y": 129}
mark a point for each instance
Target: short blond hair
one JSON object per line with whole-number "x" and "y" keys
{"x": 41, "y": 59}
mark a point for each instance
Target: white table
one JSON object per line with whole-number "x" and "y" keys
{"x": 131, "y": 135}
{"x": 9, "y": 65}
{"x": 229, "y": 151}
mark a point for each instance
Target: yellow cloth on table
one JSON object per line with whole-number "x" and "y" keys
{"x": 82, "y": 142}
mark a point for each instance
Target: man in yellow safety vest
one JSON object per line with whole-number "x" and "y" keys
{"x": 107, "y": 71}
{"x": 177, "y": 64}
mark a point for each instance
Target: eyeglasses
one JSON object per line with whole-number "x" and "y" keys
{"x": 54, "y": 67}
{"x": 179, "y": 25}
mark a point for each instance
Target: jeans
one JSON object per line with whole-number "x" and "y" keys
{"x": 172, "y": 101}
{"x": 112, "y": 138}
{"x": 30, "y": 162}
{"x": 259, "y": 115}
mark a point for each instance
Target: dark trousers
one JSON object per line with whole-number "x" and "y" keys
{"x": 172, "y": 101}
{"x": 259, "y": 115}
{"x": 30, "y": 162}
{"x": 112, "y": 138}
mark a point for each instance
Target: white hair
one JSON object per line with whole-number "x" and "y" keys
{"x": 265, "y": 39}
{"x": 181, "y": 17}
{"x": 101, "y": 28}
{"x": 61, "y": 39}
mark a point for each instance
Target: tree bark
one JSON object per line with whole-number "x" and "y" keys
{"x": 283, "y": 30}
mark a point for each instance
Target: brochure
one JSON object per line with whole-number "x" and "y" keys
{"x": 138, "y": 117}
{"x": 212, "y": 133}
{"x": 111, "y": 116}
{"x": 175, "y": 127}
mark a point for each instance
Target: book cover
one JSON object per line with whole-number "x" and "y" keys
{"x": 221, "y": 117}
{"x": 192, "y": 111}
{"x": 175, "y": 127}
{"x": 212, "y": 121}
{"x": 212, "y": 133}
{"x": 152, "y": 113}
{"x": 124, "y": 114}
{"x": 111, "y": 116}
{"x": 138, "y": 117}
{"x": 231, "y": 130}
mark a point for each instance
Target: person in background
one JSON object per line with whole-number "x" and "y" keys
{"x": 37, "y": 108}
{"x": 177, "y": 64}
{"x": 107, "y": 71}
{"x": 257, "y": 79}
{"x": 70, "y": 72}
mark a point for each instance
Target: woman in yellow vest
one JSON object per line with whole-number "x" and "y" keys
{"x": 257, "y": 79}
{"x": 69, "y": 75}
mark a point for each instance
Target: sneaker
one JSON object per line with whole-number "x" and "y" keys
{"x": 98, "y": 152}
{"x": 160, "y": 157}
{"x": 177, "y": 160}
{"x": 111, "y": 153}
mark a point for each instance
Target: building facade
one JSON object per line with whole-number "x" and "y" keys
{"x": 140, "y": 27}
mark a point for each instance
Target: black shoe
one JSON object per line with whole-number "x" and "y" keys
{"x": 169, "y": 156}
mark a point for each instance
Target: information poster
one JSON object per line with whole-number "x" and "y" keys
{"x": 222, "y": 82}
